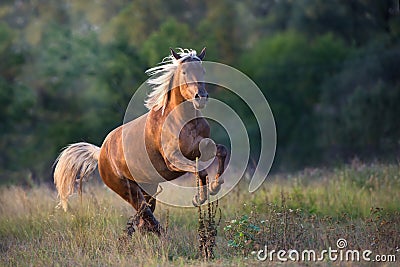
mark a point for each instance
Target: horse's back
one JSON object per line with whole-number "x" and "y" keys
{"x": 124, "y": 153}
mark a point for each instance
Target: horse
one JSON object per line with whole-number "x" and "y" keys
{"x": 178, "y": 81}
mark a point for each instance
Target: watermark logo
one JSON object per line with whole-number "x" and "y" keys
{"x": 341, "y": 253}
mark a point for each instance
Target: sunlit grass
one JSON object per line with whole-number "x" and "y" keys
{"x": 346, "y": 202}
{"x": 353, "y": 190}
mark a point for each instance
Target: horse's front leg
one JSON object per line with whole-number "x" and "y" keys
{"x": 179, "y": 164}
{"x": 201, "y": 195}
{"x": 215, "y": 186}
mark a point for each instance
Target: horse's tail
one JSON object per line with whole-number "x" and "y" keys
{"x": 75, "y": 163}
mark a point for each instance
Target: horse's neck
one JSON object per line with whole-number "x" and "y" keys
{"x": 179, "y": 108}
{"x": 178, "y": 114}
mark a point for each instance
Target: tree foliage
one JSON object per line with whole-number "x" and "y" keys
{"x": 329, "y": 70}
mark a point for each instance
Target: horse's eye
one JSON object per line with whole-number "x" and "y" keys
{"x": 184, "y": 73}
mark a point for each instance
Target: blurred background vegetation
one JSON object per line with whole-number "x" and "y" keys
{"x": 329, "y": 69}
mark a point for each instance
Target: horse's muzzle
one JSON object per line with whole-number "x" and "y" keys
{"x": 200, "y": 102}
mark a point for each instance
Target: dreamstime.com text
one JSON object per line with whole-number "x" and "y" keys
{"x": 340, "y": 253}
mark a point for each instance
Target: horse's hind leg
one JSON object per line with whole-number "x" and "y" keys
{"x": 148, "y": 191}
{"x": 132, "y": 193}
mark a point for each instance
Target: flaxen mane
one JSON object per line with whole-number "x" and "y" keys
{"x": 161, "y": 76}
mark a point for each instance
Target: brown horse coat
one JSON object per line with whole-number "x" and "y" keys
{"x": 160, "y": 145}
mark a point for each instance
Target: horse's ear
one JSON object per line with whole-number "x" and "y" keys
{"x": 176, "y": 55}
{"x": 202, "y": 53}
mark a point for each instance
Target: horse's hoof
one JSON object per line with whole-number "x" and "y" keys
{"x": 159, "y": 230}
{"x": 215, "y": 186}
{"x": 130, "y": 231}
{"x": 196, "y": 201}
{"x": 130, "y": 226}
{"x": 155, "y": 229}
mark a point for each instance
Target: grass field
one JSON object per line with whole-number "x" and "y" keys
{"x": 307, "y": 210}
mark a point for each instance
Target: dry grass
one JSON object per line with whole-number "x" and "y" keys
{"x": 308, "y": 210}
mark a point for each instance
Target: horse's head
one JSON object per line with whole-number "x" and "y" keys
{"x": 190, "y": 78}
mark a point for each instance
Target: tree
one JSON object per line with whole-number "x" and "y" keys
{"x": 170, "y": 34}
{"x": 16, "y": 106}
{"x": 359, "y": 111}
{"x": 289, "y": 69}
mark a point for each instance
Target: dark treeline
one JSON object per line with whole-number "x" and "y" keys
{"x": 329, "y": 69}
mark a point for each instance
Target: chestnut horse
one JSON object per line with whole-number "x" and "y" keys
{"x": 178, "y": 80}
